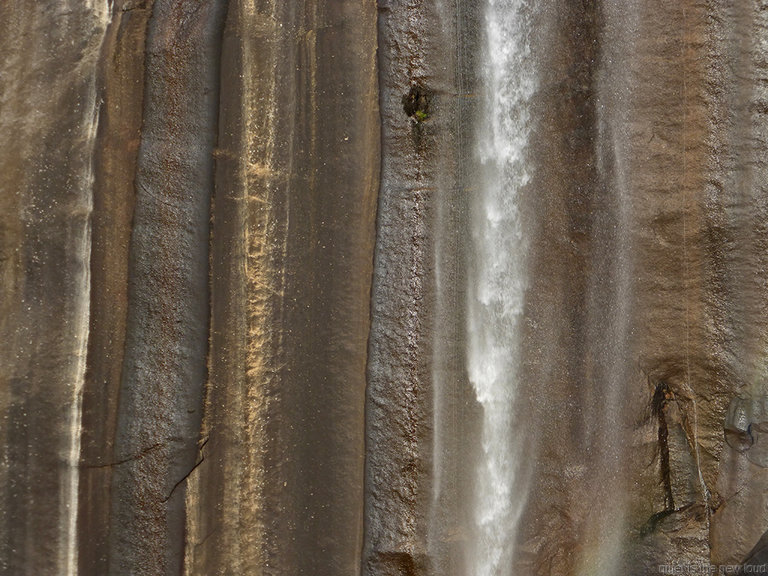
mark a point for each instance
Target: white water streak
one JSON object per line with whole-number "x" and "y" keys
{"x": 68, "y": 561}
{"x": 497, "y": 287}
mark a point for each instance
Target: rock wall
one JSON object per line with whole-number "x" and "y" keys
{"x": 48, "y": 121}
{"x": 193, "y": 203}
{"x": 234, "y": 253}
{"x": 279, "y": 489}
{"x": 644, "y": 317}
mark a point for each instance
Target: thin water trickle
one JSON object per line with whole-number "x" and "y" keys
{"x": 70, "y": 488}
{"x": 497, "y": 282}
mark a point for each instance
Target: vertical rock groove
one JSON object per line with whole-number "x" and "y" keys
{"x": 736, "y": 240}
{"x": 399, "y": 392}
{"x": 164, "y": 366}
{"x": 280, "y": 490}
{"x": 122, "y": 89}
{"x": 45, "y": 209}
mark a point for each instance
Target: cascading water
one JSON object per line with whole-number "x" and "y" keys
{"x": 497, "y": 283}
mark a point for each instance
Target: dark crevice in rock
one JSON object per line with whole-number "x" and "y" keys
{"x": 416, "y": 103}
{"x": 661, "y": 396}
{"x": 399, "y": 564}
{"x": 184, "y": 478}
{"x": 654, "y": 522}
{"x": 125, "y": 460}
{"x": 200, "y": 460}
{"x": 758, "y": 556}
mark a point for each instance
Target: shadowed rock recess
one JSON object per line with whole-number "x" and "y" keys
{"x": 243, "y": 254}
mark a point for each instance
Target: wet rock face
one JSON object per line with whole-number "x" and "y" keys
{"x": 640, "y": 332}
{"x": 234, "y": 256}
{"x": 398, "y": 396}
{"x": 281, "y": 489}
{"x": 164, "y": 367}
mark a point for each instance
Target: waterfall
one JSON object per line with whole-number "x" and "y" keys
{"x": 497, "y": 282}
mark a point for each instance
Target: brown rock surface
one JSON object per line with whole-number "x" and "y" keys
{"x": 49, "y": 112}
{"x": 647, "y": 221}
{"x": 277, "y": 99}
{"x": 235, "y": 246}
{"x": 281, "y": 488}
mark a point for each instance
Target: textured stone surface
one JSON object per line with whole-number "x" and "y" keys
{"x": 281, "y": 487}
{"x": 647, "y": 219}
{"x": 150, "y": 131}
{"x": 421, "y": 413}
{"x": 48, "y": 118}
{"x": 115, "y": 158}
{"x": 234, "y": 249}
